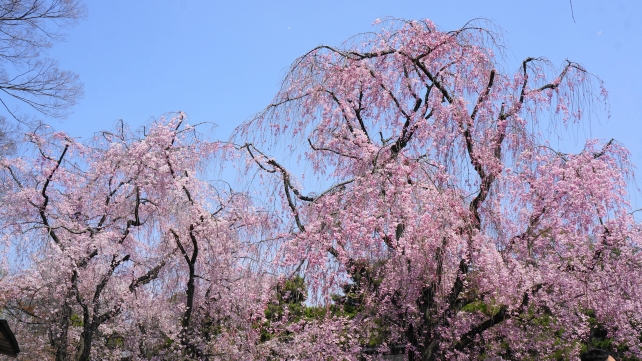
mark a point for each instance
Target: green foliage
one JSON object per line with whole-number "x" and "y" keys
{"x": 561, "y": 348}
{"x": 289, "y": 298}
{"x": 76, "y": 320}
{"x": 477, "y": 306}
{"x": 599, "y": 338}
{"x": 210, "y": 328}
{"x": 365, "y": 280}
{"x": 288, "y": 306}
{"x": 115, "y": 341}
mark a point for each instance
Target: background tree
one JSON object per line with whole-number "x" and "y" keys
{"x": 118, "y": 249}
{"x": 27, "y": 77}
{"x": 487, "y": 241}
{"x": 27, "y": 28}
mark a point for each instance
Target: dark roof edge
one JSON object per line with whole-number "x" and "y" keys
{"x": 4, "y": 328}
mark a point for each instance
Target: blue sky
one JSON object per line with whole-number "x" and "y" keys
{"x": 221, "y": 61}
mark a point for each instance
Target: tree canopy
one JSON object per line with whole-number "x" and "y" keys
{"x": 450, "y": 228}
{"x": 486, "y": 240}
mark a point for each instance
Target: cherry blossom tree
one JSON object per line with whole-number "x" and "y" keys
{"x": 118, "y": 250}
{"x": 471, "y": 236}
{"x": 450, "y": 226}
{"x": 27, "y": 29}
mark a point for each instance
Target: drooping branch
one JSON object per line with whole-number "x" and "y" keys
{"x": 115, "y": 262}
{"x": 191, "y": 262}
{"x": 190, "y": 290}
{"x": 132, "y": 222}
{"x": 345, "y": 115}
{"x": 151, "y": 275}
{"x": 43, "y": 206}
{"x": 604, "y": 149}
{"x": 392, "y": 97}
{"x": 501, "y": 315}
{"x": 484, "y": 95}
{"x": 433, "y": 79}
{"x": 94, "y": 319}
{"x": 486, "y": 179}
{"x": 352, "y": 55}
{"x": 286, "y": 184}
{"x": 495, "y": 319}
{"x": 330, "y": 150}
{"x": 357, "y": 113}
{"x": 108, "y": 199}
{"x": 289, "y": 188}
{"x": 515, "y": 108}
{"x": 572, "y": 13}
{"x": 458, "y": 286}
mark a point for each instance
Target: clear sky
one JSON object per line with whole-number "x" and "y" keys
{"x": 221, "y": 61}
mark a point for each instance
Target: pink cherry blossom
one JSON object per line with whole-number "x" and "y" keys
{"x": 480, "y": 237}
